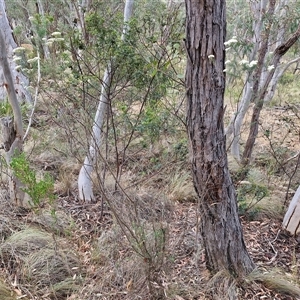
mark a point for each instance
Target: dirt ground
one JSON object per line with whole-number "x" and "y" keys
{"x": 118, "y": 272}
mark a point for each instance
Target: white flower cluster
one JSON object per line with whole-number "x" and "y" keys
{"x": 17, "y": 58}
{"x": 32, "y": 60}
{"x": 248, "y": 64}
{"x": 252, "y": 63}
{"x": 19, "y": 50}
{"x": 233, "y": 40}
{"x": 56, "y": 33}
{"x": 56, "y": 38}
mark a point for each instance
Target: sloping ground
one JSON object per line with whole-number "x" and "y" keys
{"x": 111, "y": 268}
{"x": 185, "y": 276}
{"x": 162, "y": 256}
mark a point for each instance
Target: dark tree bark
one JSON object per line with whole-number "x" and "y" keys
{"x": 205, "y": 82}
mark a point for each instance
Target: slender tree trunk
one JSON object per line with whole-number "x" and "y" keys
{"x": 263, "y": 12}
{"x": 276, "y": 77}
{"x": 85, "y": 183}
{"x": 205, "y": 82}
{"x": 233, "y": 130}
{"x": 19, "y": 80}
{"x": 44, "y": 46}
{"x": 12, "y": 128}
{"x": 259, "y": 97}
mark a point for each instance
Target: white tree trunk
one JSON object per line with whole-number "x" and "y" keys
{"x": 85, "y": 183}
{"x": 233, "y": 131}
{"x": 20, "y": 81}
{"x": 291, "y": 221}
{"x": 12, "y": 128}
{"x": 277, "y": 75}
{"x": 234, "y": 128}
{"x": 44, "y": 45}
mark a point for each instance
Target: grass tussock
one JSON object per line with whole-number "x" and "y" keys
{"x": 124, "y": 271}
{"x": 52, "y": 269}
{"x": 54, "y": 221}
{"x": 181, "y": 188}
{"x": 221, "y": 286}
{"x": 275, "y": 281}
{"x": 44, "y": 264}
{"x": 6, "y": 293}
{"x": 24, "y": 242}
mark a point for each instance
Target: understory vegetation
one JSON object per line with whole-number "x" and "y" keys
{"x": 140, "y": 238}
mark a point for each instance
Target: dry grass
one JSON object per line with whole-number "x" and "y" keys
{"x": 7, "y": 294}
{"x": 51, "y": 271}
{"x": 58, "y": 222}
{"x": 133, "y": 255}
{"x": 145, "y": 243}
{"x": 275, "y": 280}
{"x": 41, "y": 263}
{"x": 24, "y": 242}
{"x": 222, "y": 286}
{"x": 180, "y": 187}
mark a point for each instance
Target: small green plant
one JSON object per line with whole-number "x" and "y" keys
{"x": 181, "y": 149}
{"x": 6, "y": 109}
{"x": 248, "y": 196}
{"x": 36, "y": 189}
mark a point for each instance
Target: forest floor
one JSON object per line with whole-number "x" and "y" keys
{"x": 146, "y": 244}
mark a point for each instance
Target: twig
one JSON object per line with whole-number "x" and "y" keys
{"x": 291, "y": 158}
{"x": 271, "y": 244}
{"x": 35, "y": 96}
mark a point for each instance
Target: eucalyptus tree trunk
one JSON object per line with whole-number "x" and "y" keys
{"x": 291, "y": 220}
{"x": 280, "y": 70}
{"x": 44, "y": 46}
{"x": 233, "y": 130}
{"x": 12, "y": 129}
{"x": 19, "y": 80}
{"x": 85, "y": 183}
{"x": 205, "y": 82}
{"x": 81, "y": 7}
{"x": 265, "y": 40}
{"x": 260, "y": 96}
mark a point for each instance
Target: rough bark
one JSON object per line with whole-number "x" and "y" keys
{"x": 205, "y": 82}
